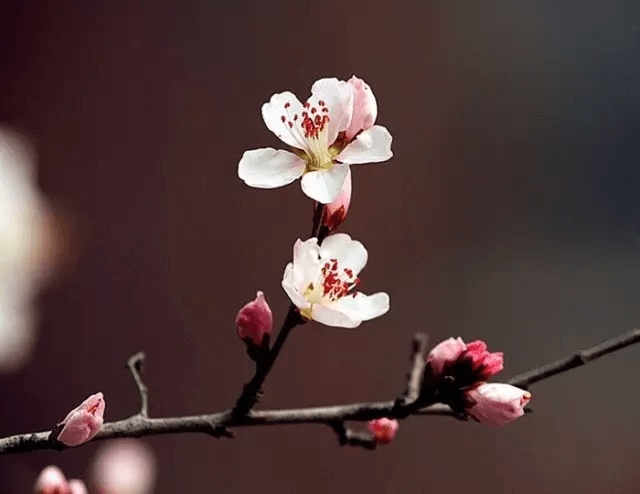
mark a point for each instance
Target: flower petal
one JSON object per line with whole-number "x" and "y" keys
{"x": 325, "y": 185}
{"x": 332, "y": 317}
{"x": 350, "y": 253}
{"x": 285, "y": 105}
{"x": 365, "y": 108}
{"x": 371, "y": 146}
{"x": 291, "y": 290}
{"x": 338, "y": 98}
{"x": 363, "y": 307}
{"x": 269, "y": 168}
{"x": 306, "y": 263}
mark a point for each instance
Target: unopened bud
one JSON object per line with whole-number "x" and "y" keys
{"x": 496, "y": 403}
{"x": 83, "y": 422}
{"x": 383, "y": 430}
{"x": 51, "y": 481}
{"x": 336, "y": 212}
{"x": 255, "y": 322}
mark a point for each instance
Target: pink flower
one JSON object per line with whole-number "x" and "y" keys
{"x": 336, "y": 212}
{"x": 84, "y": 422}
{"x": 255, "y": 321}
{"x": 383, "y": 430}
{"x": 445, "y": 355}
{"x": 496, "y": 403}
{"x": 124, "y": 466}
{"x": 484, "y": 364}
{"x": 52, "y": 481}
{"x": 365, "y": 108}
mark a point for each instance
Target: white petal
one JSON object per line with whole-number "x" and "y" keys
{"x": 306, "y": 263}
{"x": 325, "y": 185}
{"x": 285, "y": 105}
{"x": 332, "y": 317}
{"x": 350, "y": 253}
{"x": 338, "y": 98}
{"x": 269, "y": 168}
{"x": 371, "y": 146}
{"x": 363, "y": 307}
{"x": 290, "y": 288}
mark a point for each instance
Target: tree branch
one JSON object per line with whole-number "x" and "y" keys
{"x": 134, "y": 364}
{"x": 216, "y": 424}
{"x": 577, "y": 359}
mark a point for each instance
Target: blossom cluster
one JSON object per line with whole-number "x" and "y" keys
{"x": 333, "y": 129}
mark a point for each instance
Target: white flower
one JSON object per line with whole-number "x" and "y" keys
{"x": 320, "y": 281}
{"x": 324, "y": 139}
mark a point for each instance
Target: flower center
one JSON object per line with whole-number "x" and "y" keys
{"x": 333, "y": 284}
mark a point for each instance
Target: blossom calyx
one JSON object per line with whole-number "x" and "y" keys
{"x": 83, "y": 422}
{"x": 496, "y": 403}
{"x": 383, "y": 429}
{"x": 255, "y": 322}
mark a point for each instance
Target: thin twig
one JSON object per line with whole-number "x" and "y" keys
{"x": 418, "y": 364}
{"x": 577, "y": 359}
{"x": 134, "y": 364}
{"x": 253, "y": 389}
{"x": 213, "y": 424}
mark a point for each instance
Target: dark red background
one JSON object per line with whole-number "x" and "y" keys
{"x": 508, "y": 214}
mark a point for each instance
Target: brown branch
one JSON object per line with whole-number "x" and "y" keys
{"x": 134, "y": 364}
{"x": 578, "y": 359}
{"x": 253, "y": 389}
{"x": 419, "y": 361}
{"x": 217, "y": 423}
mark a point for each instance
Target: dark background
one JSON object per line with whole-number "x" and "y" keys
{"x": 508, "y": 213}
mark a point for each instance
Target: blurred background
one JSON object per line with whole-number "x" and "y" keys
{"x": 510, "y": 212}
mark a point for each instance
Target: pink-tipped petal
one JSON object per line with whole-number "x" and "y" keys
{"x": 51, "y": 481}
{"x": 77, "y": 486}
{"x": 255, "y": 320}
{"x": 365, "y": 108}
{"x": 445, "y": 354}
{"x": 383, "y": 430}
{"x": 83, "y": 422}
{"x": 497, "y": 403}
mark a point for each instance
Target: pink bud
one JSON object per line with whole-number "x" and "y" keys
{"x": 383, "y": 430}
{"x": 255, "y": 321}
{"x": 84, "y": 422}
{"x": 496, "y": 403}
{"x": 52, "y": 481}
{"x": 336, "y": 212}
{"x": 124, "y": 466}
{"x": 365, "y": 108}
{"x": 77, "y": 487}
{"x": 445, "y": 354}
{"x": 484, "y": 364}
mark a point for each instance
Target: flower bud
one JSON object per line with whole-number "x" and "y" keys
{"x": 51, "y": 481}
{"x": 84, "y": 422}
{"x": 124, "y": 466}
{"x": 255, "y": 322}
{"x": 445, "y": 355}
{"x": 336, "y": 212}
{"x": 365, "y": 108}
{"x": 77, "y": 487}
{"x": 484, "y": 365}
{"x": 383, "y": 430}
{"x": 496, "y": 403}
